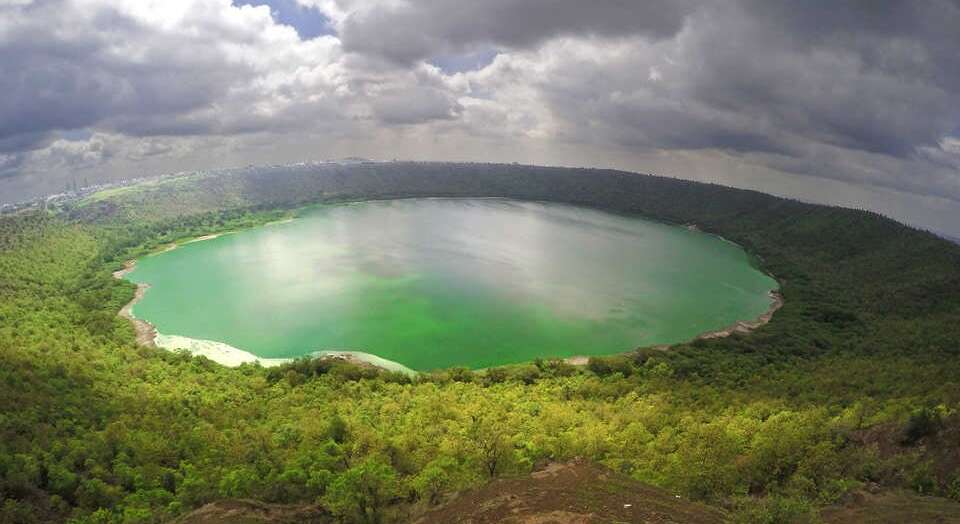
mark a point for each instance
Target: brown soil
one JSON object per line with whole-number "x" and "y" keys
{"x": 940, "y": 450}
{"x": 254, "y": 512}
{"x": 893, "y": 507}
{"x": 570, "y": 492}
{"x": 876, "y": 505}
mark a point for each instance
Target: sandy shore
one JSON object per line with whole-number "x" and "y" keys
{"x": 364, "y": 359}
{"x": 128, "y": 266}
{"x": 145, "y": 331}
{"x": 174, "y": 245}
{"x": 205, "y": 237}
{"x": 230, "y": 356}
{"x": 147, "y": 334}
{"x": 218, "y": 352}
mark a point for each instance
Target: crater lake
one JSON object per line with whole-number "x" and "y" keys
{"x": 435, "y": 283}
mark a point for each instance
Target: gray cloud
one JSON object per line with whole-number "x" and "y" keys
{"x": 418, "y": 29}
{"x": 854, "y": 91}
{"x": 70, "y": 66}
{"x": 835, "y": 82}
{"x": 414, "y": 106}
{"x": 852, "y": 103}
{"x": 61, "y": 74}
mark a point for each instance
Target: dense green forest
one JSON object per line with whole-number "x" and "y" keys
{"x": 855, "y": 381}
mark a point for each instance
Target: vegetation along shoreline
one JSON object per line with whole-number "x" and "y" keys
{"x": 221, "y": 353}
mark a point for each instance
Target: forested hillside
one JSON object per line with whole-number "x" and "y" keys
{"x": 853, "y": 384}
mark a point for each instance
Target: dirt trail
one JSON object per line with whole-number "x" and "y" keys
{"x": 255, "y": 512}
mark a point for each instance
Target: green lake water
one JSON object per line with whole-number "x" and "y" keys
{"x": 433, "y": 283}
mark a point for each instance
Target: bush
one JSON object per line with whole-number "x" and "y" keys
{"x": 495, "y": 376}
{"x": 554, "y": 367}
{"x": 528, "y": 374}
{"x": 361, "y": 493}
{"x": 924, "y": 422}
{"x": 921, "y": 479}
{"x": 435, "y": 479}
{"x": 460, "y": 374}
{"x": 603, "y": 366}
{"x": 953, "y": 489}
{"x": 774, "y": 510}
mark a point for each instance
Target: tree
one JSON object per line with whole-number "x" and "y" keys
{"x": 435, "y": 479}
{"x": 487, "y": 431}
{"x": 360, "y": 493}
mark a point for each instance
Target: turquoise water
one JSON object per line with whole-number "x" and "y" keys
{"x": 433, "y": 283}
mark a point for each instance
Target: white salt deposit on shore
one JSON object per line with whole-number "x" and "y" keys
{"x": 230, "y": 356}
{"x": 218, "y": 352}
{"x": 365, "y": 358}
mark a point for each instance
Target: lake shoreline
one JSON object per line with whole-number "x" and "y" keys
{"x": 147, "y": 335}
{"x": 224, "y": 354}
{"x": 145, "y": 332}
{"x": 229, "y": 356}
{"x": 738, "y": 327}
{"x": 746, "y": 326}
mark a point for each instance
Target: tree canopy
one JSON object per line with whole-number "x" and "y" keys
{"x": 94, "y": 428}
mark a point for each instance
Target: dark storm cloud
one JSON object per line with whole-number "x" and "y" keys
{"x": 869, "y": 76}
{"x": 68, "y": 69}
{"x": 69, "y": 66}
{"x": 419, "y": 29}
{"x": 861, "y": 91}
{"x": 24, "y": 141}
{"x": 751, "y": 75}
{"x": 857, "y": 91}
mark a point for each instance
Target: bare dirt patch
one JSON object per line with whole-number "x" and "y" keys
{"x": 571, "y": 492}
{"x": 255, "y": 512}
{"x": 893, "y": 507}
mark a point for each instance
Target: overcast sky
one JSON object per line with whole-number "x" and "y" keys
{"x": 855, "y": 102}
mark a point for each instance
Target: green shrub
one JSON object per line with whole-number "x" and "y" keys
{"x": 361, "y": 493}
{"x": 604, "y": 366}
{"x": 953, "y": 489}
{"x": 923, "y": 422}
{"x": 774, "y": 510}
